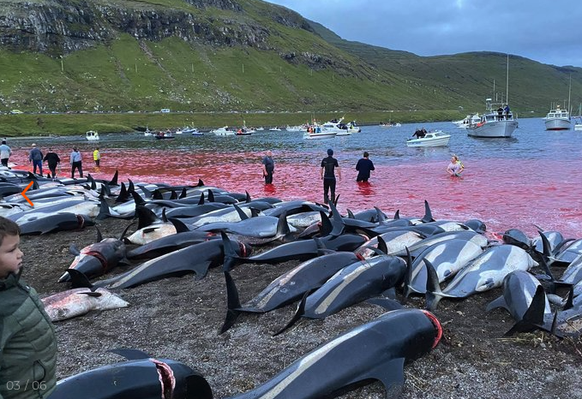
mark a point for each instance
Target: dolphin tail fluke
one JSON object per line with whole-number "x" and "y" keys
{"x": 233, "y": 303}
{"x": 298, "y": 314}
{"x": 433, "y": 288}
{"x": 533, "y": 318}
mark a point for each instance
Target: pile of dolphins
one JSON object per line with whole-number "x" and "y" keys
{"x": 344, "y": 260}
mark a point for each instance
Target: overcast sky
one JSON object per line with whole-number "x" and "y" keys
{"x": 542, "y": 30}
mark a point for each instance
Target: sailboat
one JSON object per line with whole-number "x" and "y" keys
{"x": 498, "y": 120}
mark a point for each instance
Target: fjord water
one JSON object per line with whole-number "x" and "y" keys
{"x": 535, "y": 177}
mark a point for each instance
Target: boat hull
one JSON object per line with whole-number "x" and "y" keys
{"x": 317, "y": 136}
{"x": 438, "y": 142}
{"x": 498, "y": 129}
{"x": 558, "y": 124}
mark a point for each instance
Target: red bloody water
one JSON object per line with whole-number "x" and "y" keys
{"x": 502, "y": 194}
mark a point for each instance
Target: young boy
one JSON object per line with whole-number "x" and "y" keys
{"x": 28, "y": 346}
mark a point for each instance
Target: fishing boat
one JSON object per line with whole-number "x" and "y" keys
{"x": 437, "y": 138}
{"x": 498, "y": 121}
{"x": 557, "y": 119}
{"x": 223, "y": 131}
{"x": 494, "y": 124}
{"x": 164, "y": 135}
{"x": 92, "y": 135}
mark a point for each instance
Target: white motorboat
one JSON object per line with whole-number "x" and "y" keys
{"x": 340, "y": 128}
{"x": 557, "y": 119}
{"x": 471, "y": 119}
{"x": 223, "y": 131}
{"x": 494, "y": 124}
{"x": 148, "y": 132}
{"x": 92, "y": 135}
{"x": 316, "y": 132}
{"x": 578, "y": 125}
{"x": 431, "y": 139}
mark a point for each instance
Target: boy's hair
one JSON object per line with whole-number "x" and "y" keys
{"x": 8, "y": 228}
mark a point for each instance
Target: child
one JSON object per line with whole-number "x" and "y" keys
{"x": 28, "y": 346}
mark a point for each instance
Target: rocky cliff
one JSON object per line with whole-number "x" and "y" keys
{"x": 58, "y": 27}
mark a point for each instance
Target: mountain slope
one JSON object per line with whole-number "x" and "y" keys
{"x": 221, "y": 55}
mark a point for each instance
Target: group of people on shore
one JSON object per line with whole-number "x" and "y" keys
{"x": 36, "y": 158}
{"x": 329, "y": 165}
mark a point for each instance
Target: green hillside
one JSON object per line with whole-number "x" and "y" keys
{"x": 247, "y": 56}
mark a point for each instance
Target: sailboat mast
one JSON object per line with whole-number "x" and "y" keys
{"x": 570, "y": 96}
{"x": 507, "y": 81}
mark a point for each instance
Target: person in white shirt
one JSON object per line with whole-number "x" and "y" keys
{"x": 76, "y": 163}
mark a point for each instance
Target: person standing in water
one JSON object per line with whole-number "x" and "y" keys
{"x": 364, "y": 167}
{"x": 76, "y": 163}
{"x": 328, "y": 166}
{"x": 97, "y": 156}
{"x": 456, "y": 167}
{"x": 268, "y": 167}
{"x": 52, "y": 159}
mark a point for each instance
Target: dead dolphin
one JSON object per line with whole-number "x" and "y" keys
{"x": 524, "y": 298}
{"x": 485, "y": 272}
{"x": 288, "y": 287}
{"x": 377, "y": 350}
{"x": 352, "y": 284}
{"x": 140, "y": 377}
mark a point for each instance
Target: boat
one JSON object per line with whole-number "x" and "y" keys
{"x": 436, "y": 138}
{"x": 148, "y": 133}
{"x": 244, "y": 131}
{"x": 390, "y": 124}
{"x": 316, "y": 132}
{"x": 275, "y": 129}
{"x": 493, "y": 124}
{"x": 92, "y": 135}
{"x": 223, "y": 131}
{"x": 498, "y": 121}
{"x": 578, "y": 124}
{"x": 471, "y": 119}
{"x": 164, "y": 135}
{"x": 557, "y": 119}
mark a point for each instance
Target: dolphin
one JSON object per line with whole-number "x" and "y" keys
{"x": 485, "y": 272}
{"x": 79, "y": 301}
{"x": 377, "y": 350}
{"x": 288, "y": 287}
{"x": 141, "y": 377}
{"x": 524, "y": 298}
{"x": 56, "y": 222}
{"x": 448, "y": 257}
{"x": 197, "y": 258}
{"x": 417, "y": 248}
{"x": 98, "y": 258}
{"x": 569, "y": 252}
{"x": 352, "y": 284}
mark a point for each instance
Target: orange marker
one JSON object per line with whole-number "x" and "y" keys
{"x": 24, "y": 194}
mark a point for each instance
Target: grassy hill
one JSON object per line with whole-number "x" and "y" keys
{"x": 247, "y": 55}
